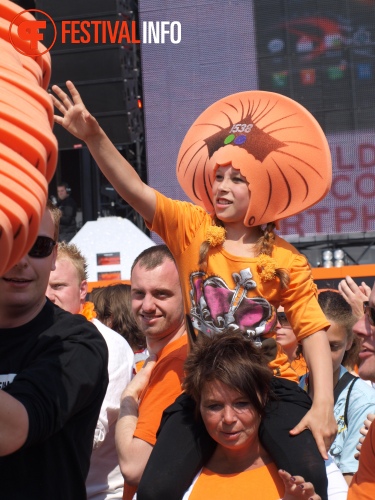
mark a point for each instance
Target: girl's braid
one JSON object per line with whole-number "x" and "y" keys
{"x": 265, "y": 245}
{"x": 205, "y": 246}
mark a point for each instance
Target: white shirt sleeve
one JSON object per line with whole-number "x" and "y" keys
{"x": 337, "y": 486}
{"x": 120, "y": 371}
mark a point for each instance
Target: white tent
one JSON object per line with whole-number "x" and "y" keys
{"x": 110, "y": 245}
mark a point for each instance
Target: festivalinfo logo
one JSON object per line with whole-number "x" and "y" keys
{"x": 27, "y": 35}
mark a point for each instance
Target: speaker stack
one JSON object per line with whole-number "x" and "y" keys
{"x": 107, "y": 74}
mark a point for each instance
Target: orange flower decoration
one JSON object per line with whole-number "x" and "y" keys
{"x": 215, "y": 235}
{"x": 266, "y": 267}
{"x": 88, "y": 311}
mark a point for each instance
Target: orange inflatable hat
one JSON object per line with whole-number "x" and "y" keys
{"x": 274, "y": 142}
{"x": 28, "y": 148}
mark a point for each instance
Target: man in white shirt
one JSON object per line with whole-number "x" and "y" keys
{"x": 67, "y": 288}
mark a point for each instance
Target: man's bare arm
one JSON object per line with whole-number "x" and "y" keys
{"x": 133, "y": 453}
{"x": 14, "y": 424}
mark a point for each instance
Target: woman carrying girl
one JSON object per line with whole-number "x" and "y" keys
{"x": 249, "y": 160}
{"x": 230, "y": 382}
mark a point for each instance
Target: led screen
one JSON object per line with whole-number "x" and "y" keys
{"x": 320, "y": 53}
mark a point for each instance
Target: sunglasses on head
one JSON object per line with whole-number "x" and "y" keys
{"x": 42, "y": 247}
{"x": 283, "y": 320}
{"x": 370, "y": 312}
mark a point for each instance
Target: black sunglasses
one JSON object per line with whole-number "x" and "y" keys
{"x": 370, "y": 312}
{"x": 42, "y": 247}
{"x": 283, "y": 320}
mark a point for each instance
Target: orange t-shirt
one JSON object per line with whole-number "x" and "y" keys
{"x": 300, "y": 366}
{"x": 281, "y": 366}
{"x": 234, "y": 290}
{"x": 163, "y": 388}
{"x": 362, "y": 486}
{"x": 263, "y": 483}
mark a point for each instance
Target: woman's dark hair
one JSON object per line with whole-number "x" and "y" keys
{"x": 112, "y": 305}
{"x": 233, "y": 360}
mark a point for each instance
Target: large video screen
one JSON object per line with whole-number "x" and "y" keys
{"x": 320, "y": 53}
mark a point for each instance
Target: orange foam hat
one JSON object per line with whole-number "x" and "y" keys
{"x": 28, "y": 147}
{"x": 274, "y": 142}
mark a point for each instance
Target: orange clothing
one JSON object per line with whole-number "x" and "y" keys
{"x": 362, "y": 486}
{"x": 163, "y": 388}
{"x": 257, "y": 484}
{"x": 281, "y": 366}
{"x": 300, "y": 366}
{"x": 88, "y": 311}
{"x": 233, "y": 290}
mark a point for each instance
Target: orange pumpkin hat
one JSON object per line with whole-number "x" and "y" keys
{"x": 274, "y": 142}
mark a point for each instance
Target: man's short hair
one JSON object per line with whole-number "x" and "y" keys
{"x": 65, "y": 185}
{"x": 153, "y": 257}
{"x": 71, "y": 252}
{"x": 56, "y": 216}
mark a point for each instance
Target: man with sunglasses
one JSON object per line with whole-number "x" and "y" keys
{"x": 53, "y": 376}
{"x": 363, "y": 484}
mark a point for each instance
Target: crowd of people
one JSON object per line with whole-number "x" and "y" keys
{"x": 220, "y": 370}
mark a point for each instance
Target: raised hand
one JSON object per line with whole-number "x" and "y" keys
{"x": 75, "y": 118}
{"x": 364, "y": 430}
{"x": 355, "y": 295}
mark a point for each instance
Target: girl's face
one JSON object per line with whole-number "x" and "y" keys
{"x": 231, "y": 195}
{"x": 284, "y": 333}
{"x": 285, "y": 336}
{"x": 228, "y": 415}
{"x": 338, "y": 343}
